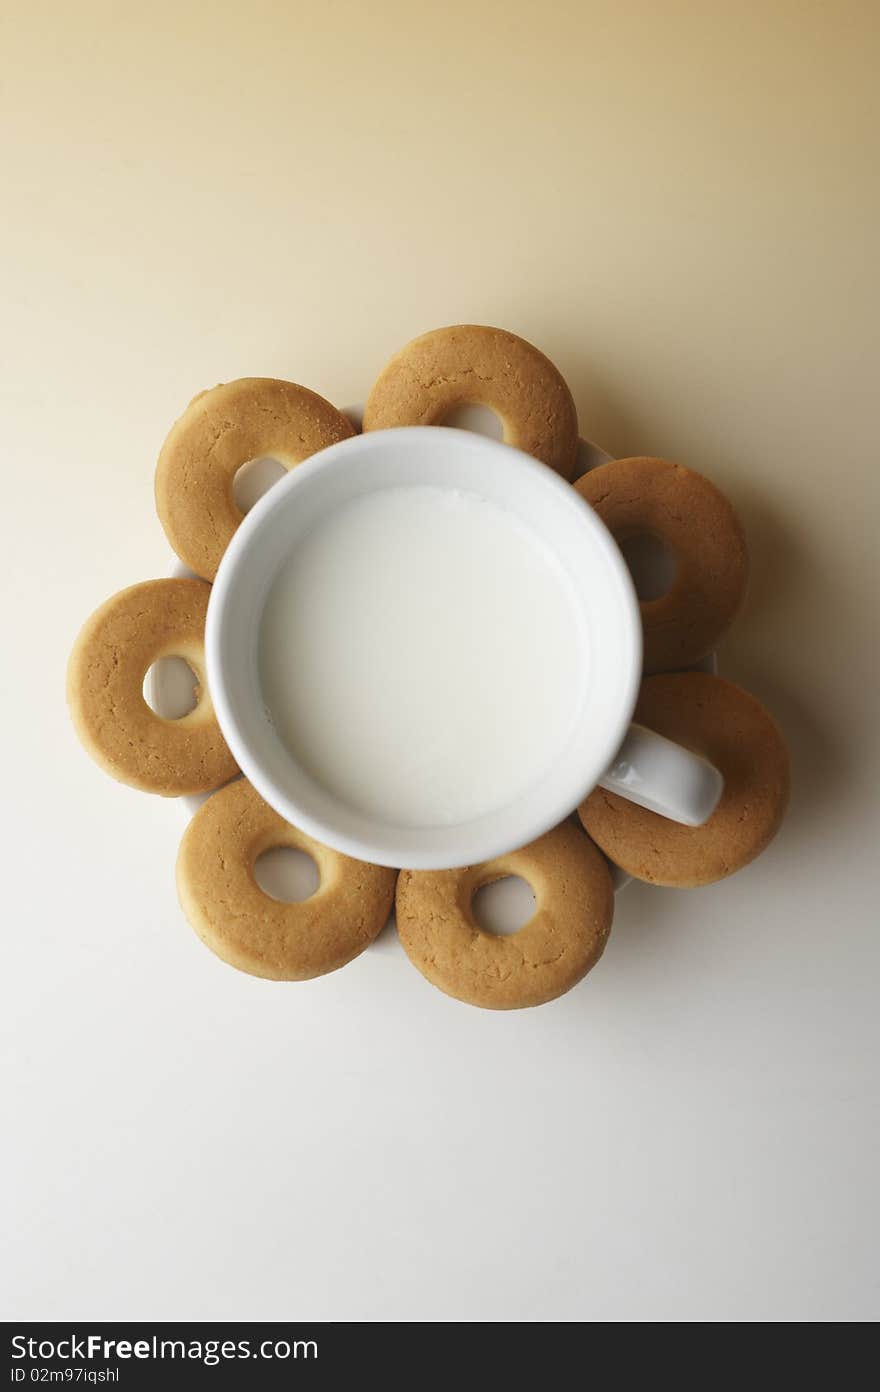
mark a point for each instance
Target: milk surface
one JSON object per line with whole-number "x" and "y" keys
{"x": 421, "y": 657}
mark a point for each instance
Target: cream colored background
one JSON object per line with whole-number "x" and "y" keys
{"x": 678, "y": 201}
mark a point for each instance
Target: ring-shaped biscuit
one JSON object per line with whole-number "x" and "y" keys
{"x": 258, "y": 934}
{"x": 700, "y": 528}
{"x": 105, "y": 676}
{"x": 564, "y": 938}
{"x": 220, "y": 430}
{"x": 468, "y": 364}
{"x": 731, "y": 729}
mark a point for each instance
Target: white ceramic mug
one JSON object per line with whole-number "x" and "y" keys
{"x": 603, "y": 747}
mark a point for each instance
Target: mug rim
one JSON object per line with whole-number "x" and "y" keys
{"x": 377, "y": 846}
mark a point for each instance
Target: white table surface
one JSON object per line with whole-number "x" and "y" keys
{"x": 681, "y": 213}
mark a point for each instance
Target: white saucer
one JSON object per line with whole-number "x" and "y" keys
{"x": 504, "y": 906}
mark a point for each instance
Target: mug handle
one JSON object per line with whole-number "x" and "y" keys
{"x": 662, "y": 776}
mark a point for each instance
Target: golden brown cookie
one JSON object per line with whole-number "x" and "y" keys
{"x": 220, "y": 430}
{"x": 258, "y": 934}
{"x": 699, "y": 526}
{"x": 734, "y": 732}
{"x": 574, "y": 903}
{"x": 105, "y": 676}
{"x": 469, "y": 364}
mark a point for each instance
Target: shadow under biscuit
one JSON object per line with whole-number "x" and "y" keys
{"x": 779, "y": 561}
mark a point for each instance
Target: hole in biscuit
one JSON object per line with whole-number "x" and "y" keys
{"x": 473, "y": 416}
{"x": 505, "y": 906}
{"x": 171, "y": 688}
{"x": 651, "y": 564}
{"x": 254, "y": 479}
{"x": 286, "y": 874}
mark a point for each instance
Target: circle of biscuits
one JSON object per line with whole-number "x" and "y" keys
{"x": 228, "y": 426}
{"x": 219, "y": 431}
{"x": 574, "y": 905}
{"x": 729, "y": 727}
{"x": 470, "y": 364}
{"x": 254, "y": 932}
{"x": 696, "y": 522}
{"x": 105, "y": 676}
